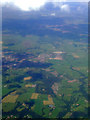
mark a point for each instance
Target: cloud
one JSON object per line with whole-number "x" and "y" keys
{"x": 26, "y": 4}
{"x": 67, "y": 0}
{"x": 36, "y": 4}
{"x": 65, "y": 7}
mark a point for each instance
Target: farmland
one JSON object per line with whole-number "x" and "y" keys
{"x": 44, "y": 67}
{"x": 57, "y": 86}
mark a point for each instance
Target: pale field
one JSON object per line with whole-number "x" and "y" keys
{"x": 11, "y": 98}
{"x": 49, "y": 102}
{"x": 30, "y": 85}
{"x": 27, "y": 78}
{"x": 60, "y": 52}
{"x": 57, "y": 58}
{"x": 34, "y": 95}
{"x": 1, "y": 42}
{"x": 74, "y": 55}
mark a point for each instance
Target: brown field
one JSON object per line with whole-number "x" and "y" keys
{"x": 27, "y": 78}
{"x": 49, "y": 102}
{"x": 11, "y": 98}
{"x": 34, "y": 95}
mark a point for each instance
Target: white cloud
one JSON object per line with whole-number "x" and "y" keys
{"x": 26, "y": 4}
{"x": 68, "y": 0}
{"x": 65, "y": 7}
{"x": 36, "y": 4}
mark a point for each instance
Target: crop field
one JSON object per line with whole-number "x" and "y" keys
{"x": 11, "y": 98}
{"x": 34, "y": 96}
{"x": 49, "y": 102}
{"x": 30, "y": 85}
{"x": 27, "y": 78}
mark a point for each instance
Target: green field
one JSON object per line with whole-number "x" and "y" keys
{"x": 65, "y": 80}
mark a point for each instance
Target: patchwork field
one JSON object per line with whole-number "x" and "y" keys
{"x": 49, "y": 102}
{"x": 30, "y": 85}
{"x": 34, "y": 96}
{"x": 45, "y": 72}
{"x": 11, "y": 98}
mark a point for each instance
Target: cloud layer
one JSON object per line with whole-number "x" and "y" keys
{"x": 36, "y": 4}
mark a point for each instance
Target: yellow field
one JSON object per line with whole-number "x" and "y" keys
{"x": 10, "y": 98}
{"x": 27, "y": 78}
{"x": 74, "y": 55}
{"x": 34, "y": 95}
{"x": 49, "y": 102}
{"x": 30, "y": 85}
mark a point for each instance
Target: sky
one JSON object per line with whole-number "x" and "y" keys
{"x": 36, "y": 4}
